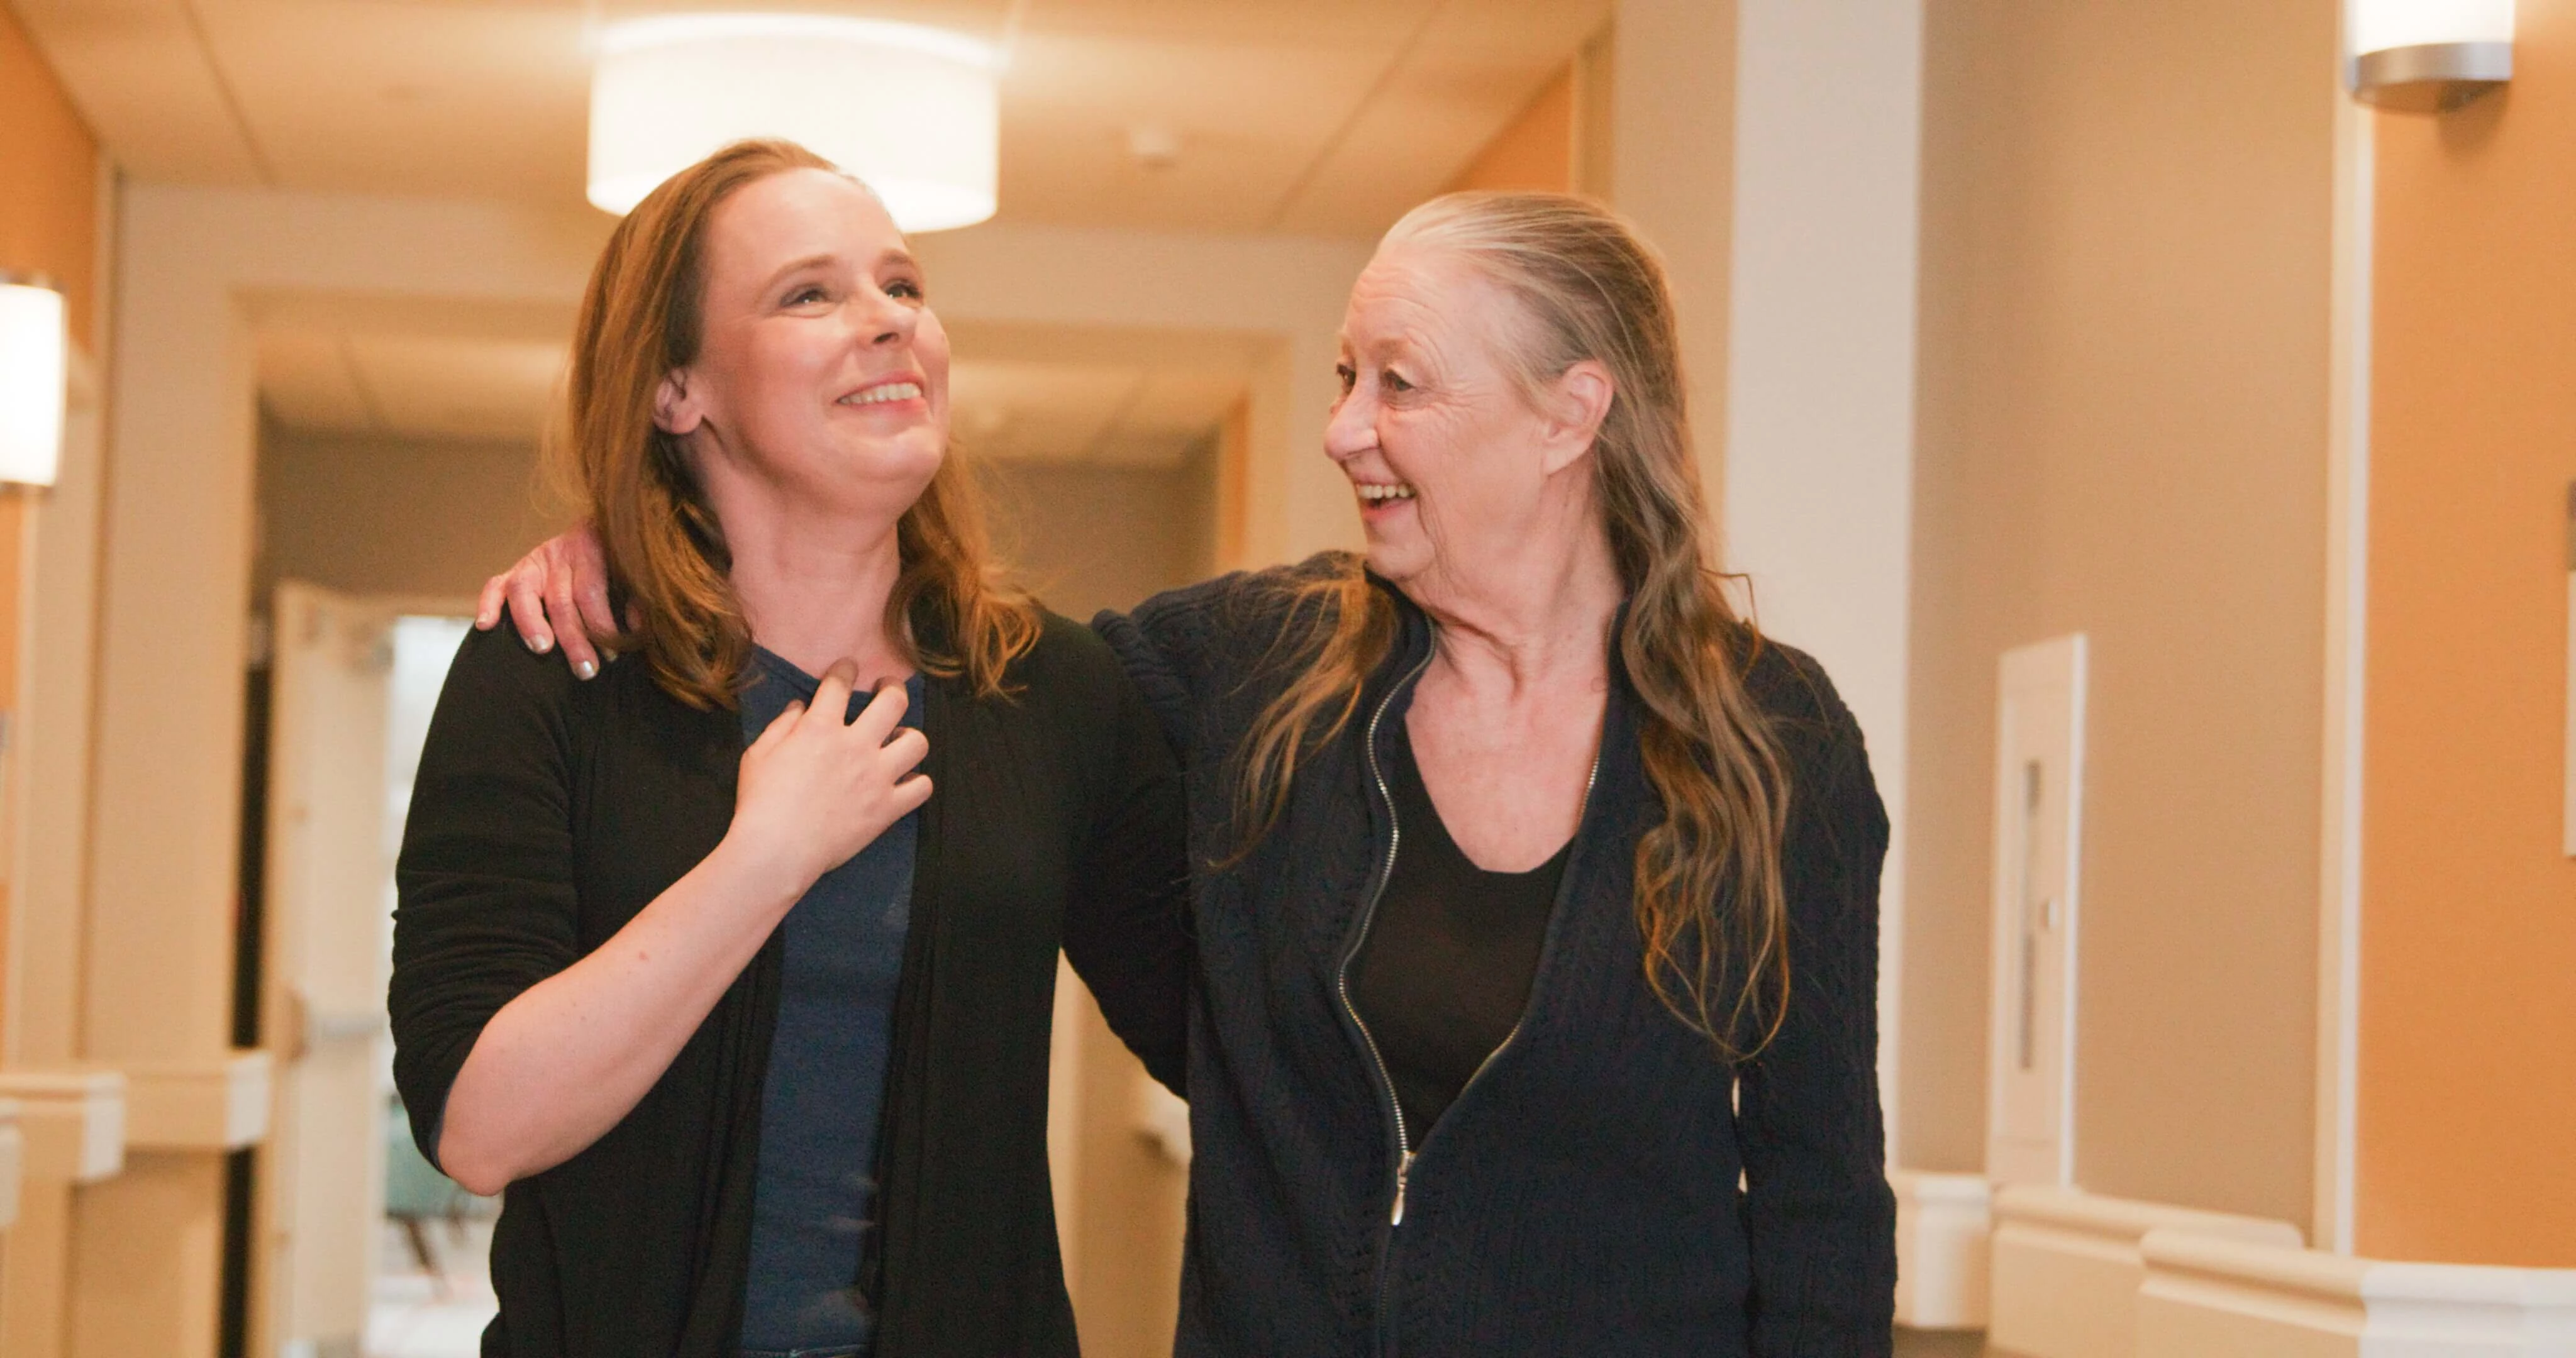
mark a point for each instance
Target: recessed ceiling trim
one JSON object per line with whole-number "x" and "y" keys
{"x": 225, "y": 92}
{"x": 376, "y": 421}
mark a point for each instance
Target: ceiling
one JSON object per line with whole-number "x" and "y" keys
{"x": 1309, "y": 116}
{"x": 397, "y": 369}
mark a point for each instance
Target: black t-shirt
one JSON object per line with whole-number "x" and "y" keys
{"x": 1445, "y": 971}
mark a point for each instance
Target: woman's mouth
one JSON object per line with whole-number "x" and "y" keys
{"x": 1379, "y": 494}
{"x": 884, "y": 393}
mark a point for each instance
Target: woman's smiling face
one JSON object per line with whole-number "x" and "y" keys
{"x": 1435, "y": 429}
{"x": 820, "y": 369}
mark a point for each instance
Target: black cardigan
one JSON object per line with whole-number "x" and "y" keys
{"x": 547, "y": 812}
{"x": 1581, "y": 1195}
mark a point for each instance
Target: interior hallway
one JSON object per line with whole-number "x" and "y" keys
{"x": 2010, "y": 323}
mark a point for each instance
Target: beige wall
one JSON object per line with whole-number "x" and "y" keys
{"x": 1535, "y": 150}
{"x": 1088, "y": 538}
{"x": 2124, "y": 390}
{"x": 393, "y": 517}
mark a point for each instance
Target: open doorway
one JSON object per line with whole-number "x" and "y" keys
{"x": 365, "y": 1249}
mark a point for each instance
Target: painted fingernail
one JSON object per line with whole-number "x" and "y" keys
{"x": 585, "y": 668}
{"x": 542, "y": 645}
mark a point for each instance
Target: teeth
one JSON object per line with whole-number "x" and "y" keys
{"x": 892, "y": 391}
{"x": 1380, "y": 494}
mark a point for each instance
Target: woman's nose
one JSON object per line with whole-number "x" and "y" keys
{"x": 1352, "y": 430}
{"x": 884, "y": 320}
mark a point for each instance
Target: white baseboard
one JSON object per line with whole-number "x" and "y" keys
{"x": 2067, "y": 1267}
{"x": 1942, "y": 1225}
{"x": 2206, "y": 1297}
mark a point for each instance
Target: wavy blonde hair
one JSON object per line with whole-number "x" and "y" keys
{"x": 1710, "y": 901}
{"x": 640, "y": 321}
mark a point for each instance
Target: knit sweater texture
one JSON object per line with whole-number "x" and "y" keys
{"x": 1608, "y": 1184}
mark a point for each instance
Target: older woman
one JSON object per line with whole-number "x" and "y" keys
{"x": 732, "y": 977}
{"x": 1535, "y": 893}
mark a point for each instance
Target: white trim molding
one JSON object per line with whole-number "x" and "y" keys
{"x": 1943, "y": 1222}
{"x": 2346, "y": 657}
{"x": 2211, "y": 1297}
{"x": 2067, "y": 1266}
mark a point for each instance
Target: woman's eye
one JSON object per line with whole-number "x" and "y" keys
{"x": 807, "y": 294}
{"x": 1348, "y": 374}
{"x": 904, "y": 289}
{"x": 1392, "y": 382}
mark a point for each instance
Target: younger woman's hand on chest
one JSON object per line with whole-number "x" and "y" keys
{"x": 815, "y": 790}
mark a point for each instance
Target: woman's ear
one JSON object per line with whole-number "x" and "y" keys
{"x": 675, "y": 412}
{"x": 1578, "y": 401}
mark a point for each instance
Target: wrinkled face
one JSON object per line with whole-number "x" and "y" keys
{"x": 821, "y": 372}
{"x": 1448, "y": 456}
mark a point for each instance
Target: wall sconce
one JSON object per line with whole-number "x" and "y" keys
{"x": 915, "y": 112}
{"x": 2425, "y": 56}
{"x": 34, "y": 368}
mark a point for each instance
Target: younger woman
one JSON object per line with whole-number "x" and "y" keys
{"x": 733, "y": 979}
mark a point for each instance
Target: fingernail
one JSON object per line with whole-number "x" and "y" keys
{"x": 585, "y": 668}
{"x": 542, "y": 645}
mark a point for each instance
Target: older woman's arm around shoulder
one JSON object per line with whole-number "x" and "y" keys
{"x": 1819, "y": 1216}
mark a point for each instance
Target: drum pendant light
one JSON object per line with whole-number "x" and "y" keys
{"x": 913, "y": 111}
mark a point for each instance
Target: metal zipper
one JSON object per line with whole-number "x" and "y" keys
{"x": 1368, "y": 917}
{"x": 1342, "y": 984}
{"x": 1405, "y": 1154}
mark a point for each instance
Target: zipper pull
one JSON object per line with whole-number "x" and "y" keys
{"x": 1403, "y": 1171}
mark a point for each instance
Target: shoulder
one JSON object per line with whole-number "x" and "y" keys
{"x": 1067, "y": 667}
{"x": 495, "y": 675}
{"x": 1221, "y": 625}
{"x": 1819, "y": 739}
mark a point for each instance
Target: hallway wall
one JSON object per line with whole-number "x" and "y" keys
{"x": 49, "y": 223}
{"x": 2127, "y": 230}
{"x": 2468, "y": 927}
{"x": 393, "y": 516}
{"x": 48, "y": 178}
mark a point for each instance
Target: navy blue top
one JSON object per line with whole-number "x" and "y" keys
{"x": 815, "y": 1197}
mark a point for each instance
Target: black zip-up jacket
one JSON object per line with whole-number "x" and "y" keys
{"x": 1582, "y": 1194}
{"x": 547, "y": 812}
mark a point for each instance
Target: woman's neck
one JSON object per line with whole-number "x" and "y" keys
{"x": 815, "y": 594}
{"x": 1538, "y": 619}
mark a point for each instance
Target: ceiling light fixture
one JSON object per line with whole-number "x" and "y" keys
{"x": 913, "y": 111}
{"x": 2421, "y": 56}
{"x": 35, "y": 354}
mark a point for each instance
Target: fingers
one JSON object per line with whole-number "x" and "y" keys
{"x": 883, "y": 713}
{"x": 908, "y": 748}
{"x": 911, "y": 793}
{"x": 527, "y": 610}
{"x": 487, "y": 608}
{"x": 597, "y": 618}
{"x": 565, "y": 617}
{"x": 832, "y": 696}
{"x": 778, "y": 728}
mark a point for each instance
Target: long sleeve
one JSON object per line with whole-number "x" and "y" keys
{"x": 1126, "y": 925}
{"x": 486, "y": 904}
{"x": 1818, "y": 1214}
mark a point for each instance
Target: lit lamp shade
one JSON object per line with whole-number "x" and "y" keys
{"x": 912, "y": 111}
{"x": 33, "y": 372}
{"x": 2426, "y": 55}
